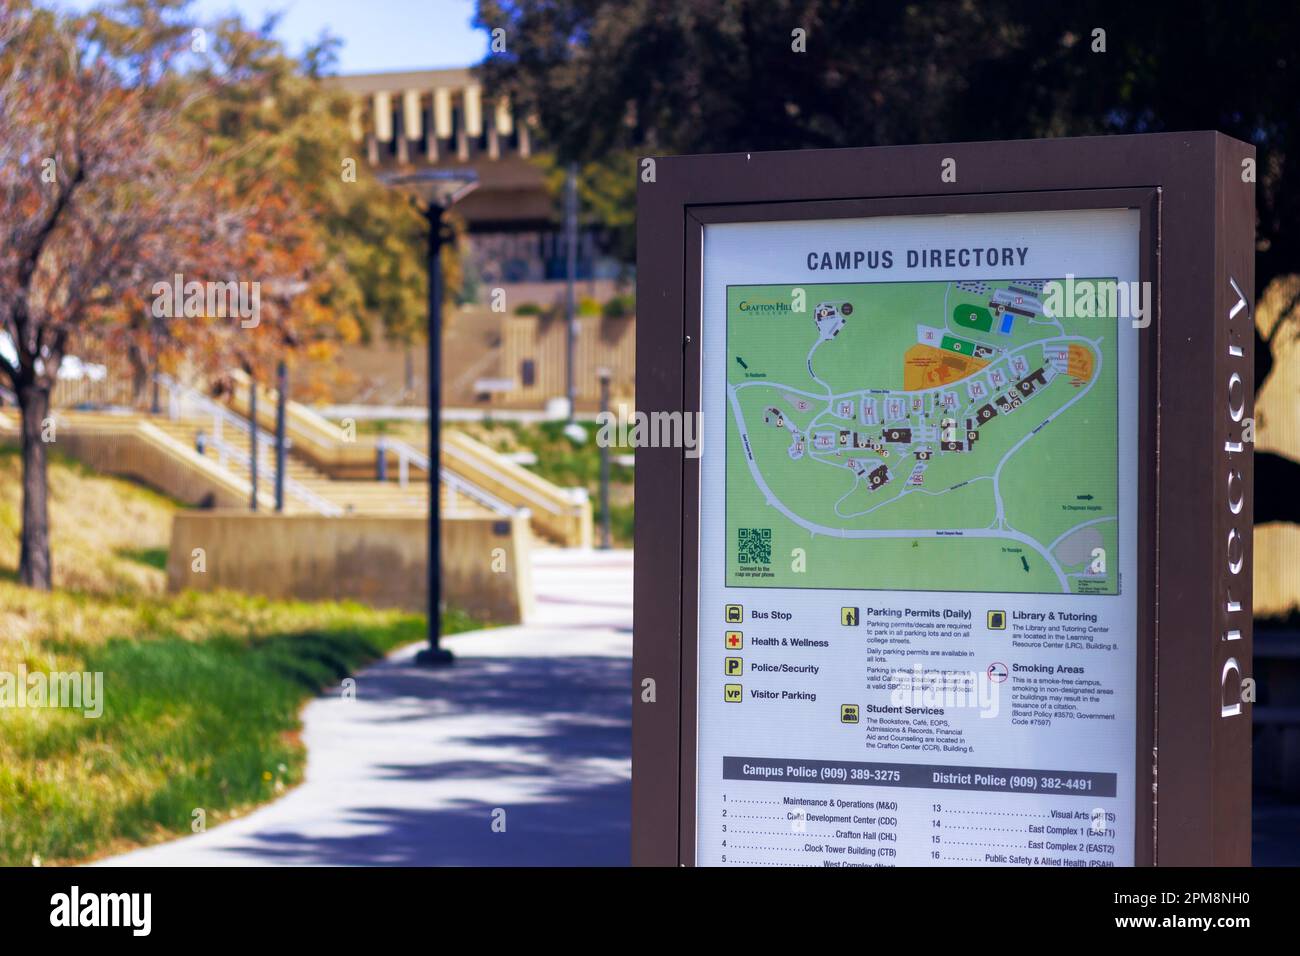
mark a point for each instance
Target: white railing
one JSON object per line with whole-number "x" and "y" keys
{"x": 576, "y": 495}
{"x": 183, "y": 401}
{"x": 407, "y": 456}
{"x": 292, "y": 486}
{"x": 454, "y": 483}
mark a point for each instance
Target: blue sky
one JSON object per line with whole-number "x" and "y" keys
{"x": 377, "y": 34}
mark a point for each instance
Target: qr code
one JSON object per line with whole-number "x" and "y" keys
{"x": 755, "y": 546}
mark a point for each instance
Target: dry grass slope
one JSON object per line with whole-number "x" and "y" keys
{"x": 201, "y": 691}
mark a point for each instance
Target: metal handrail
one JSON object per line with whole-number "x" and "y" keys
{"x": 456, "y": 484}
{"x": 178, "y": 393}
{"x": 407, "y": 455}
{"x": 220, "y": 413}
{"x": 292, "y": 486}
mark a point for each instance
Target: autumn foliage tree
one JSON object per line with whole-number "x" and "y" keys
{"x": 112, "y": 180}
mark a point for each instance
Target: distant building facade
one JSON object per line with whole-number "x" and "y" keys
{"x": 443, "y": 118}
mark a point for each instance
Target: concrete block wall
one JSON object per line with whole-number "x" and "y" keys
{"x": 378, "y": 560}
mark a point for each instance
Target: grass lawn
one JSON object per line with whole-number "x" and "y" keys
{"x": 201, "y": 692}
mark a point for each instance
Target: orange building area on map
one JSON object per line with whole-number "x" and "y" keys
{"x": 1080, "y": 363}
{"x": 926, "y": 366}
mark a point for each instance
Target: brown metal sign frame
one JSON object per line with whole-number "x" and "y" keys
{"x": 1196, "y": 387}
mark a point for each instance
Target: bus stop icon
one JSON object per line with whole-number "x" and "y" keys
{"x": 735, "y": 614}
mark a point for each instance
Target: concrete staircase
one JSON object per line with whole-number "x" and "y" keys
{"x": 351, "y": 496}
{"x": 468, "y": 468}
{"x": 198, "y": 451}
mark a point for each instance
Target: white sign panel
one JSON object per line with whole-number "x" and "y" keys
{"x": 917, "y": 632}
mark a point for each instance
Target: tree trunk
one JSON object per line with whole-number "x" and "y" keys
{"x": 139, "y": 376}
{"x": 34, "y": 556}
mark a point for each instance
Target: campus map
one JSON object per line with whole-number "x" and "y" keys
{"x": 935, "y": 436}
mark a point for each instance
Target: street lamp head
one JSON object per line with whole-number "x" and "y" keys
{"x": 433, "y": 187}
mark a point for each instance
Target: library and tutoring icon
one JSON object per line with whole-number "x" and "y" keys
{"x": 997, "y": 620}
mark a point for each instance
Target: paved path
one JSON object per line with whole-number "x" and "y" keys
{"x": 534, "y": 720}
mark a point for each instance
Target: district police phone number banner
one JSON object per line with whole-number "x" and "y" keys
{"x": 923, "y": 776}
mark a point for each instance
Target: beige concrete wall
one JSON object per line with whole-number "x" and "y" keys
{"x": 486, "y": 568}
{"x": 556, "y": 513}
{"x": 601, "y": 344}
{"x": 133, "y": 448}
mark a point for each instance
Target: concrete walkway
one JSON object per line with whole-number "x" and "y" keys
{"x": 533, "y": 720}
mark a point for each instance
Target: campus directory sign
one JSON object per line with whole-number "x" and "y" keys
{"x": 926, "y": 507}
{"x": 961, "y": 570}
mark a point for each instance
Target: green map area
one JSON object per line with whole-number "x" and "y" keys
{"x": 938, "y": 436}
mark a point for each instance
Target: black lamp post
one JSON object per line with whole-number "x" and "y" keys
{"x": 436, "y": 190}
{"x": 606, "y": 538}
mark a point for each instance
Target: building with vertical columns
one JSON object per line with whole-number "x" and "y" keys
{"x": 516, "y": 360}
{"x": 444, "y": 118}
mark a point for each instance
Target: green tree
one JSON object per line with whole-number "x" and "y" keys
{"x": 694, "y": 76}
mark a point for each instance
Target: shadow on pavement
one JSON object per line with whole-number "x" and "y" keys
{"x": 548, "y": 739}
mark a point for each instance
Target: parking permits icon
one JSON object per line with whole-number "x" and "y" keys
{"x": 734, "y": 666}
{"x": 849, "y": 616}
{"x": 997, "y": 620}
{"x": 735, "y": 614}
{"x": 733, "y": 693}
{"x": 848, "y": 713}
